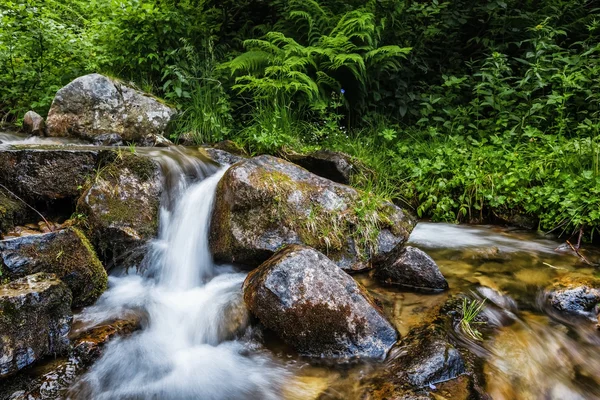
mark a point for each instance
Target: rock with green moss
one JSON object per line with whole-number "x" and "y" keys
{"x": 94, "y": 105}
{"x": 45, "y": 175}
{"x": 12, "y": 211}
{"x": 265, "y": 202}
{"x": 121, "y": 208}
{"x": 316, "y": 307}
{"x": 66, "y": 253}
{"x": 35, "y": 319}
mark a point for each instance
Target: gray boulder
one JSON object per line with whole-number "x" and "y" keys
{"x": 66, "y": 253}
{"x": 316, "y": 307}
{"x": 35, "y": 318}
{"x": 33, "y": 123}
{"x": 94, "y": 105}
{"x": 412, "y": 269}
{"x": 266, "y": 202}
{"x": 121, "y": 208}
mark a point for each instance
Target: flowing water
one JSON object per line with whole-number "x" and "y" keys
{"x": 197, "y": 341}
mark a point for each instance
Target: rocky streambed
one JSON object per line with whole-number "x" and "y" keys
{"x": 163, "y": 271}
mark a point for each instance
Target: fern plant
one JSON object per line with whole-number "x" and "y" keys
{"x": 330, "y": 52}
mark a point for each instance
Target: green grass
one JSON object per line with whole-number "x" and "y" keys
{"x": 470, "y": 311}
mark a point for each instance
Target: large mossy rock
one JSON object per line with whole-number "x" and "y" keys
{"x": 121, "y": 208}
{"x": 45, "y": 175}
{"x": 265, "y": 202}
{"x": 412, "y": 269}
{"x": 66, "y": 253}
{"x": 94, "y": 105}
{"x": 316, "y": 307}
{"x": 35, "y": 318}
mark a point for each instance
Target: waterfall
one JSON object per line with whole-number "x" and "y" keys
{"x": 191, "y": 344}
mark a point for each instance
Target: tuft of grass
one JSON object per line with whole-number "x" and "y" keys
{"x": 470, "y": 311}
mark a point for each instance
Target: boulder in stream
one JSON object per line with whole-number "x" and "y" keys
{"x": 33, "y": 123}
{"x": 412, "y": 269}
{"x": 121, "y": 207}
{"x": 94, "y": 105}
{"x": 35, "y": 318}
{"x": 316, "y": 307}
{"x": 66, "y": 253}
{"x": 265, "y": 202}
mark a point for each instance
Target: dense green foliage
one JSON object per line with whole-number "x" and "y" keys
{"x": 465, "y": 111}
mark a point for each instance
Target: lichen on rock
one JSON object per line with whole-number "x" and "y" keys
{"x": 121, "y": 207}
{"x": 94, "y": 105}
{"x": 66, "y": 253}
{"x": 35, "y": 318}
{"x": 266, "y": 202}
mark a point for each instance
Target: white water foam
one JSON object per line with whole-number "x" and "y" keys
{"x": 190, "y": 346}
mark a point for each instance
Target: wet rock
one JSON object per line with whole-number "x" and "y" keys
{"x": 412, "y": 269}
{"x": 108, "y": 139}
{"x": 94, "y": 105}
{"x": 47, "y": 175}
{"x": 33, "y": 123}
{"x": 576, "y": 295}
{"x": 332, "y": 165}
{"x": 12, "y": 212}
{"x": 429, "y": 363}
{"x": 316, "y": 307}
{"x": 35, "y": 318}
{"x": 66, "y": 253}
{"x": 121, "y": 208}
{"x": 52, "y": 379}
{"x": 264, "y": 203}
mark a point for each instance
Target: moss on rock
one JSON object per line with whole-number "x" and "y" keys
{"x": 266, "y": 202}
{"x": 121, "y": 206}
{"x": 67, "y": 253}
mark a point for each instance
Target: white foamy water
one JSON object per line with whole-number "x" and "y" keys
{"x": 190, "y": 346}
{"x": 429, "y": 235}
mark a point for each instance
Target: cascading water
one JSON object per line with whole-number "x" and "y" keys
{"x": 193, "y": 313}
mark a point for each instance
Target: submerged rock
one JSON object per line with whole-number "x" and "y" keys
{"x": 265, "y": 202}
{"x": 33, "y": 123}
{"x": 332, "y": 165}
{"x": 576, "y": 295}
{"x": 412, "y": 269}
{"x": 429, "y": 364}
{"x": 47, "y": 175}
{"x": 35, "y": 318}
{"x": 121, "y": 208}
{"x": 66, "y": 253}
{"x": 94, "y": 105}
{"x": 316, "y": 307}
